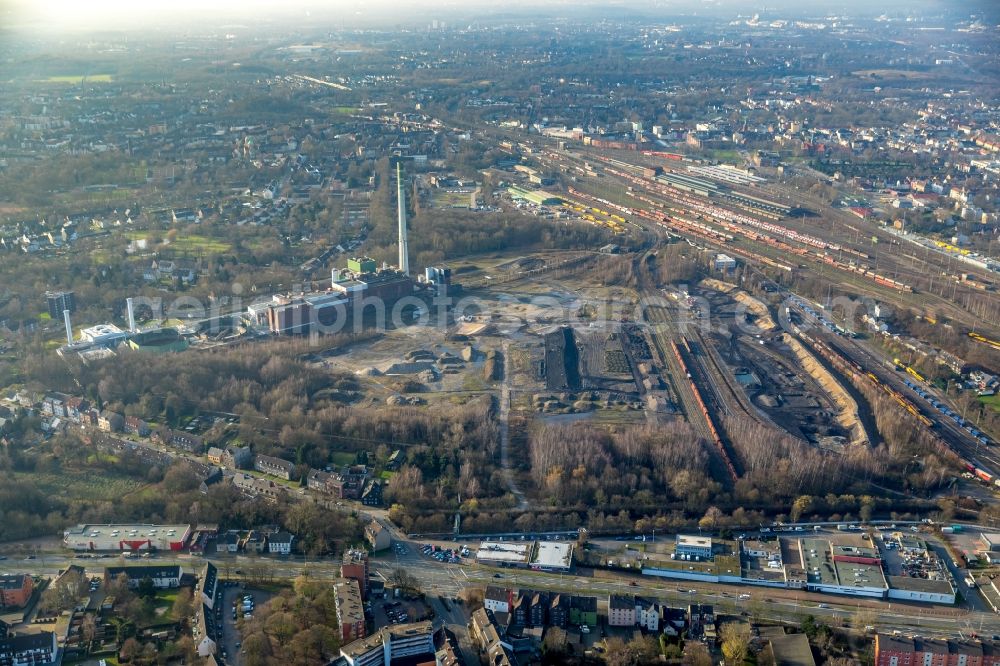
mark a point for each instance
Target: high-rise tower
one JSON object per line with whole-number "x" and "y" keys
{"x": 404, "y": 258}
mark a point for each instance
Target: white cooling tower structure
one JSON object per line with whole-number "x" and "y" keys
{"x": 404, "y": 259}
{"x": 69, "y": 327}
{"x": 131, "y": 315}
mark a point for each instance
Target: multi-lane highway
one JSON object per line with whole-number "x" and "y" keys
{"x": 442, "y": 579}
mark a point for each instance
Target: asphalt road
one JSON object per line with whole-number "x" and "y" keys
{"x": 447, "y": 580}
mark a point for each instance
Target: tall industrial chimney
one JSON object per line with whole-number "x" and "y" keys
{"x": 404, "y": 259}
{"x": 69, "y": 327}
{"x": 131, "y": 315}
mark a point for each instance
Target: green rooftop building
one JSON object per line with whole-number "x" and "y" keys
{"x": 361, "y": 265}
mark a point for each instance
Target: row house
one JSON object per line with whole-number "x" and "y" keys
{"x": 181, "y": 440}
{"x": 251, "y": 486}
{"x": 162, "y": 577}
{"x": 918, "y": 651}
{"x": 133, "y": 425}
{"x": 278, "y": 467}
{"x": 40, "y": 648}
{"x": 621, "y": 610}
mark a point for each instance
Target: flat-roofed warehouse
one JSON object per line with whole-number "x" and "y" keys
{"x": 128, "y": 537}
{"x": 553, "y": 556}
{"x": 504, "y": 554}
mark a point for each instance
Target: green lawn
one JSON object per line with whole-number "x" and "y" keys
{"x": 992, "y": 401}
{"x": 341, "y": 458}
{"x": 193, "y": 243}
{"x": 82, "y": 484}
{"x": 452, "y": 199}
{"x": 80, "y": 78}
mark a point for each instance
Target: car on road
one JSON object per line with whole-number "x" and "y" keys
{"x": 497, "y": 576}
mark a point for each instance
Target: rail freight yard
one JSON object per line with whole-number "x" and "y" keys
{"x": 127, "y": 537}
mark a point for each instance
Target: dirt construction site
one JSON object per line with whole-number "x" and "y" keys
{"x": 578, "y": 350}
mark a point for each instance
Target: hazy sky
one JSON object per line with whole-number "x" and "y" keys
{"x": 61, "y": 15}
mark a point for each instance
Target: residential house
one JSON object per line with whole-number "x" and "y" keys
{"x": 209, "y": 586}
{"x": 110, "y": 421}
{"x": 647, "y": 614}
{"x": 350, "y": 482}
{"x": 54, "y": 404}
{"x": 350, "y": 609}
{"x": 256, "y": 542}
{"x": 621, "y": 610}
{"x": 377, "y": 536}
{"x": 673, "y": 621}
{"x": 182, "y": 440}
{"x": 280, "y": 543}
{"x": 701, "y": 623}
{"x": 29, "y": 649}
{"x": 203, "y": 631}
{"x": 487, "y": 636}
{"x": 184, "y": 215}
{"x": 213, "y": 477}
{"x": 133, "y": 425}
{"x": 15, "y": 590}
{"x": 529, "y": 609}
{"x": 215, "y": 455}
{"x": 355, "y": 567}
{"x": 498, "y": 599}
{"x": 372, "y": 494}
{"x": 794, "y": 650}
{"x": 227, "y": 543}
{"x": 318, "y": 480}
{"x": 583, "y": 611}
{"x": 274, "y": 466}
{"x": 75, "y": 408}
{"x": 891, "y": 650}
{"x": 559, "y": 611}
{"x": 251, "y": 486}
{"x": 237, "y": 457}
{"x": 163, "y": 577}
{"x": 395, "y": 460}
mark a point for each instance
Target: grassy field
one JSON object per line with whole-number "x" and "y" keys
{"x": 193, "y": 243}
{"x": 80, "y": 78}
{"x": 991, "y": 401}
{"x": 70, "y": 484}
{"x": 892, "y": 74}
{"x": 452, "y": 199}
{"x": 341, "y": 458}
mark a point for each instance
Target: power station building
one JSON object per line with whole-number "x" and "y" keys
{"x": 360, "y": 291}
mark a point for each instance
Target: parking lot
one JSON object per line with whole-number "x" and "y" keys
{"x": 229, "y": 645}
{"x": 453, "y": 555}
{"x": 398, "y": 611}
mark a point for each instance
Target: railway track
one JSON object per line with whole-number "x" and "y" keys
{"x": 857, "y": 243}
